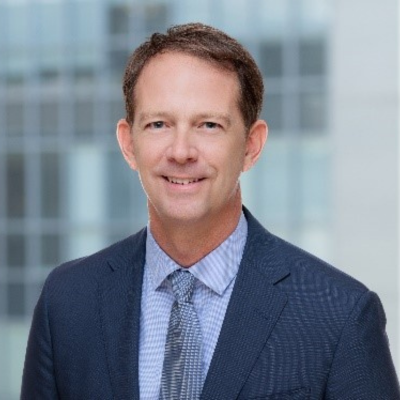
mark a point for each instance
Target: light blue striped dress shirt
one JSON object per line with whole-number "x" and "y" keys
{"x": 215, "y": 275}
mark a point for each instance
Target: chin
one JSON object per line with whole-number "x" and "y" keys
{"x": 188, "y": 217}
{"x": 183, "y": 214}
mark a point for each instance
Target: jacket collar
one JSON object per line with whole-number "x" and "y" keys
{"x": 120, "y": 298}
{"x": 253, "y": 311}
{"x": 254, "y": 308}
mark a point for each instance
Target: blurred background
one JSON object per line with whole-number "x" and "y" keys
{"x": 328, "y": 180}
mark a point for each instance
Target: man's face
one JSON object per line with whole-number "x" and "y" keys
{"x": 188, "y": 140}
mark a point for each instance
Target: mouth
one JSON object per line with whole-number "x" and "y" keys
{"x": 182, "y": 181}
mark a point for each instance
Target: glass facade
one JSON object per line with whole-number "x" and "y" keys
{"x": 65, "y": 190}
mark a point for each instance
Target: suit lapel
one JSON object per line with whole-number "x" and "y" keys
{"x": 120, "y": 298}
{"x": 253, "y": 310}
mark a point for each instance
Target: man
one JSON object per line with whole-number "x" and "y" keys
{"x": 204, "y": 302}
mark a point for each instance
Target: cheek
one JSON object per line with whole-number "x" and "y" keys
{"x": 144, "y": 155}
{"x": 236, "y": 156}
{"x": 232, "y": 166}
{"x": 139, "y": 163}
{"x": 225, "y": 149}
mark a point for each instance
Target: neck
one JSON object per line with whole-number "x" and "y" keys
{"x": 187, "y": 243}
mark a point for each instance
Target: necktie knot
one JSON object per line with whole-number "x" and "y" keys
{"x": 182, "y": 285}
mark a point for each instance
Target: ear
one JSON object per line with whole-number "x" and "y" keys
{"x": 125, "y": 141}
{"x": 255, "y": 142}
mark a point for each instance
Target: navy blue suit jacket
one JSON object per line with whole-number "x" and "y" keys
{"x": 295, "y": 328}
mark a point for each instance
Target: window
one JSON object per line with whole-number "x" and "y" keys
{"x": 50, "y": 190}
{"x": 271, "y": 62}
{"x": 84, "y": 118}
{"x": 50, "y": 249}
{"x": 48, "y": 74}
{"x": 15, "y": 246}
{"x": 49, "y": 118}
{"x": 118, "y": 19}
{"x": 15, "y": 299}
{"x": 272, "y": 111}
{"x": 15, "y": 190}
{"x": 117, "y": 61}
{"x": 83, "y": 74}
{"x": 312, "y": 111}
{"x": 14, "y": 114}
{"x": 155, "y": 17}
{"x": 312, "y": 57}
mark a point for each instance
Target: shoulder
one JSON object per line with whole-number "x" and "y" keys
{"x": 88, "y": 270}
{"x": 303, "y": 277}
{"x": 320, "y": 298}
{"x": 330, "y": 321}
{"x": 306, "y": 268}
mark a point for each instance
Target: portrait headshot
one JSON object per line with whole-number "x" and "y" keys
{"x": 199, "y": 200}
{"x": 203, "y": 302}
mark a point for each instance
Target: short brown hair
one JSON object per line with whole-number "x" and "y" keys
{"x": 209, "y": 44}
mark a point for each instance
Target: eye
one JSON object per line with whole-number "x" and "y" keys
{"x": 156, "y": 125}
{"x": 211, "y": 125}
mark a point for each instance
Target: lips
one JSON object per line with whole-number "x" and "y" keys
{"x": 182, "y": 181}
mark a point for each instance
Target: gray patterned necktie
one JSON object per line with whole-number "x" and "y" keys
{"x": 182, "y": 375}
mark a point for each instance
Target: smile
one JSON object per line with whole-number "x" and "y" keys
{"x": 180, "y": 181}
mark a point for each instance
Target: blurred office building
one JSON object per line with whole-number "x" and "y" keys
{"x": 328, "y": 179}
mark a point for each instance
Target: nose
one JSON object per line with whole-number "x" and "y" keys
{"x": 182, "y": 148}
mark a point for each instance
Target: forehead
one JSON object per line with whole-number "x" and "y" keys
{"x": 174, "y": 76}
{"x": 171, "y": 61}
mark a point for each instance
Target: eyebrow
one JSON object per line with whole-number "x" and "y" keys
{"x": 218, "y": 116}
{"x": 149, "y": 115}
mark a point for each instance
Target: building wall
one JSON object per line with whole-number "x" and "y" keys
{"x": 364, "y": 95}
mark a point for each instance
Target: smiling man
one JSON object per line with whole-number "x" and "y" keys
{"x": 189, "y": 143}
{"x": 203, "y": 303}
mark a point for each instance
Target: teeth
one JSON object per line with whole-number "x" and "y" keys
{"x": 182, "y": 181}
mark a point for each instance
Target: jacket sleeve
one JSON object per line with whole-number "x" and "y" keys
{"x": 362, "y": 367}
{"x": 38, "y": 381}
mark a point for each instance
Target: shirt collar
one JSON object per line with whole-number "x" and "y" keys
{"x": 216, "y": 270}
